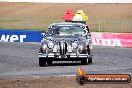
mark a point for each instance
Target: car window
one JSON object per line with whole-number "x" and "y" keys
{"x": 53, "y": 30}
{"x": 71, "y": 30}
{"x": 65, "y": 29}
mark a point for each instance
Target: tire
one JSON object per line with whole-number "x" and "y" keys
{"x": 42, "y": 62}
{"x": 90, "y": 60}
{"x": 49, "y": 62}
{"x": 40, "y": 50}
{"x": 90, "y": 55}
{"x": 84, "y": 61}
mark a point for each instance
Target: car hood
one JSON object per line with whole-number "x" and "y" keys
{"x": 72, "y": 37}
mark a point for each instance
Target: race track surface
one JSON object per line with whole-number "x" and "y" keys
{"x": 21, "y": 59}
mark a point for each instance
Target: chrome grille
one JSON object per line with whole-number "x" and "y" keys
{"x": 63, "y": 47}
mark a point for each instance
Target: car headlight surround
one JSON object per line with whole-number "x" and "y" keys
{"x": 70, "y": 48}
{"x": 88, "y": 41}
{"x": 56, "y": 47}
{"x": 50, "y": 44}
{"x": 74, "y": 45}
{"x": 44, "y": 46}
{"x": 81, "y": 48}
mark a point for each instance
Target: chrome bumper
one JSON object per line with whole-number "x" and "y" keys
{"x": 71, "y": 55}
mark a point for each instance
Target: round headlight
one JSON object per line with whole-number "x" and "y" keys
{"x": 50, "y": 44}
{"x": 81, "y": 48}
{"x": 74, "y": 45}
{"x": 44, "y": 46}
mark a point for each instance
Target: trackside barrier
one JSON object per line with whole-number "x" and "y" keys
{"x": 112, "y": 39}
{"x": 21, "y": 36}
{"x": 98, "y": 38}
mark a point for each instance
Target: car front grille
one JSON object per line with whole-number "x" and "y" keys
{"x": 63, "y": 47}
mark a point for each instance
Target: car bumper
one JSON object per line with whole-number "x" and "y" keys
{"x": 62, "y": 57}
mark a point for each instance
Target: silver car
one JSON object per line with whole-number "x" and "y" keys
{"x": 66, "y": 41}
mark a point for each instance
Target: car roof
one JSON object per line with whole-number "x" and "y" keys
{"x": 68, "y": 23}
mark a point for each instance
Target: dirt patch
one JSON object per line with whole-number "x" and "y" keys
{"x": 111, "y": 17}
{"x": 50, "y": 82}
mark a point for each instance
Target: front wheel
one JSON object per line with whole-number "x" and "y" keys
{"x": 84, "y": 61}
{"x": 42, "y": 62}
{"x": 90, "y": 55}
{"x": 90, "y": 60}
{"x": 49, "y": 62}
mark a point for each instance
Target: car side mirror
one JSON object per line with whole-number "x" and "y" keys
{"x": 89, "y": 34}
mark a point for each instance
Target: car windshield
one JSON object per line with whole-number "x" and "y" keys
{"x": 71, "y": 30}
{"x": 66, "y": 30}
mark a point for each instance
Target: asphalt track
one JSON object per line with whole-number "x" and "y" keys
{"x": 21, "y": 59}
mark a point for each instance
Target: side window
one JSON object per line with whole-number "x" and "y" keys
{"x": 48, "y": 30}
{"x": 53, "y": 30}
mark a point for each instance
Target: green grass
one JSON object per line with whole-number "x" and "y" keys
{"x": 40, "y": 24}
{"x": 41, "y": 29}
{"x": 9, "y": 20}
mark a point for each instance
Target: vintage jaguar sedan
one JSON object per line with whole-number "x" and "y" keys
{"x": 66, "y": 41}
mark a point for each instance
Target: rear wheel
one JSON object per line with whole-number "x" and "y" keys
{"x": 42, "y": 62}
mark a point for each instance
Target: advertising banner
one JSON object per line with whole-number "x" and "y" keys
{"x": 112, "y": 39}
{"x": 98, "y": 38}
{"x": 21, "y": 36}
